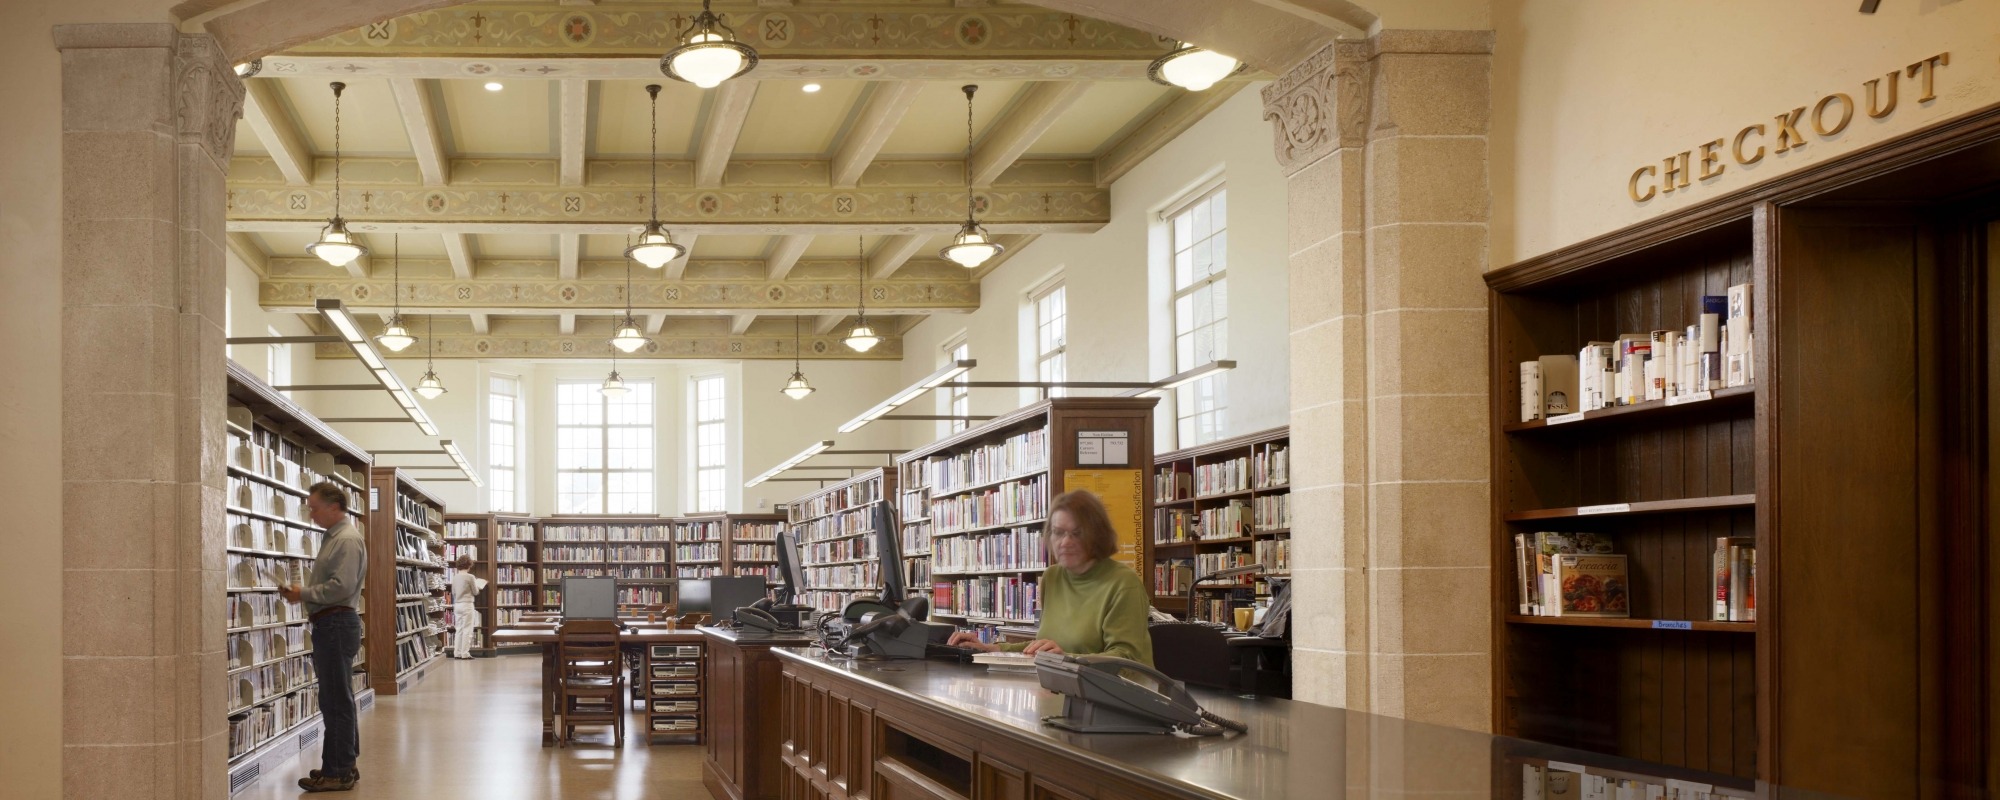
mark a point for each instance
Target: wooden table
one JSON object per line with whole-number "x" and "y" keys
{"x": 743, "y": 712}
{"x": 545, "y": 635}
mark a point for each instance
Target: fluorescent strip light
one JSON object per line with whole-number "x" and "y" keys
{"x": 1182, "y": 379}
{"x": 931, "y": 381}
{"x": 338, "y": 315}
{"x": 809, "y": 452}
{"x": 367, "y": 355}
{"x": 463, "y": 466}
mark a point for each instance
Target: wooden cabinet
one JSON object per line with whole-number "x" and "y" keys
{"x": 745, "y": 704}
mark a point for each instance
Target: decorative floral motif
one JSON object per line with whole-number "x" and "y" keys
{"x": 578, "y": 29}
{"x": 1319, "y": 106}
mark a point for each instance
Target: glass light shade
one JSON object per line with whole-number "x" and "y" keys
{"x": 628, "y": 338}
{"x": 797, "y": 388}
{"x": 707, "y": 59}
{"x": 336, "y": 246}
{"x": 862, "y": 338}
{"x": 429, "y": 386}
{"x": 614, "y": 386}
{"x": 1192, "y": 68}
{"x": 655, "y": 248}
{"x": 971, "y": 247}
{"x": 396, "y": 337}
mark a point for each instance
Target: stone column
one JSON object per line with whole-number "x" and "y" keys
{"x": 148, "y": 115}
{"x": 1385, "y": 143}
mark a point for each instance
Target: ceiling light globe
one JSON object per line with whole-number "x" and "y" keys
{"x": 797, "y": 388}
{"x": 810, "y": 88}
{"x": 430, "y": 387}
{"x": 614, "y": 386}
{"x": 971, "y": 247}
{"x": 396, "y": 337}
{"x": 1192, "y": 68}
{"x": 336, "y": 246}
{"x": 706, "y": 60}
{"x": 861, "y": 338}
{"x": 628, "y": 339}
{"x": 494, "y": 86}
{"x": 655, "y": 248}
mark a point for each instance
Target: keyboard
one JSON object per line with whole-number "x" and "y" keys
{"x": 949, "y": 652}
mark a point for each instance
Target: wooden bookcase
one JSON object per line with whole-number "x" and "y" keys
{"x": 472, "y": 534}
{"x": 1220, "y": 505}
{"x": 634, "y": 549}
{"x": 991, "y": 486}
{"x": 836, "y": 531}
{"x": 517, "y": 558}
{"x": 276, "y": 451}
{"x": 753, "y": 545}
{"x": 701, "y": 546}
{"x": 406, "y": 606}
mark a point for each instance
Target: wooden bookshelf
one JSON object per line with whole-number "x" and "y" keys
{"x": 406, "y": 608}
{"x": 993, "y": 484}
{"x": 473, "y": 534}
{"x": 637, "y": 550}
{"x": 836, "y": 529}
{"x": 276, "y": 451}
{"x": 701, "y": 546}
{"x": 753, "y": 545}
{"x": 1241, "y": 489}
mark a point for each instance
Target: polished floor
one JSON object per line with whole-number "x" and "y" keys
{"x": 473, "y": 729}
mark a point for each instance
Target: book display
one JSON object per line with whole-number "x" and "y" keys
{"x": 275, "y": 452}
{"x": 1220, "y": 505}
{"x": 753, "y": 545}
{"x": 978, "y": 503}
{"x": 406, "y": 568}
{"x": 839, "y": 539}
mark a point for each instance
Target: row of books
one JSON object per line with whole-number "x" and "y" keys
{"x": 915, "y": 503}
{"x": 1008, "y": 503}
{"x": 1735, "y": 579}
{"x": 462, "y": 529}
{"x": 769, "y": 572}
{"x": 1173, "y": 576}
{"x": 1713, "y": 353}
{"x": 453, "y": 551}
{"x": 410, "y": 618}
{"x": 844, "y": 524}
{"x": 917, "y": 572}
{"x": 642, "y": 595}
{"x": 1274, "y": 554}
{"x": 253, "y": 728}
{"x": 410, "y": 580}
{"x": 573, "y": 553}
{"x": 839, "y": 550}
{"x": 262, "y": 608}
{"x": 755, "y": 552}
{"x": 517, "y": 531}
{"x": 253, "y": 533}
{"x": 698, "y": 571}
{"x": 705, "y": 531}
{"x": 1222, "y": 477}
{"x": 256, "y": 647}
{"x": 1565, "y": 574}
{"x": 513, "y": 597}
{"x": 413, "y": 651}
{"x": 1208, "y": 563}
{"x": 758, "y": 531}
{"x": 1010, "y": 597}
{"x": 604, "y": 533}
{"x": 1271, "y": 465}
{"x": 511, "y": 552}
{"x": 502, "y": 617}
{"x": 705, "y": 551}
{"x": 262, "y": 498}
{"x": 553, "y": 574}
{"x": 867, "y": 574}
{"x": 636, "y": 553}
{"x": 411, "y": 509}
{"x": 263, "y": 572}
{"x": 1170, "y": 484}
{"x": 1272, "y": 512}
{"x": 264, "y": 684}
{"x": 1561, "y": 781}
{"x": 916, "y": 539}
{"x": 1017, "y": 455}
{"x": 638, "y": 572}
{"x": 857, "y": 494}
{"x": 1015, "y": 548}
{"x": 411, "y": 546}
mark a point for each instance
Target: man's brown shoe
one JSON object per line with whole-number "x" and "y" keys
{"x": 325, "y": 783}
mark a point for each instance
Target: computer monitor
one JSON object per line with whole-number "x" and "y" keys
{"x": 694, "y": 596}
{"x": 725, "y": 595}
{"x": 889, "y": 550}
{"x": 791, "y": 569}
{"x": 590, "y": 598}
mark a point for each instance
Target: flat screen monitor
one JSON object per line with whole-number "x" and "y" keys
{"x": 694, "y": 596}
{"x": 725, "y": 595}
{"x": 889, "y": 547}
{"x": 590, "y": 598}
{"x": 791, "y": 570}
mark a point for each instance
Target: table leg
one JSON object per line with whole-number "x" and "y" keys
{"x": 548, "y": 694}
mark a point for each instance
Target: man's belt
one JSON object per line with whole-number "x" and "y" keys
{"x": 325, "y": 611}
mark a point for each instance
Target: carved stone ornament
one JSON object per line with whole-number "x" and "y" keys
{"x": 1320, "y": 105}
{"x": 208, "y": 97}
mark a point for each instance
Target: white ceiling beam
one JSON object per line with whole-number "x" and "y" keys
{"x": 893, "y": 253}
{"x": 482, "y": 323}
{"x": 1040, "y": 105}
{"x": 569, "y": 247}
{"x": 420, "y": 120}
{"x": 786, "y": 255}
{"x": 885, "y": 108}
{"x": 264, "y": 112}
{"x": 245, "y": 247}
{"x": 740, "y": 323}
{"x": 575, "y": 113}
{"x": 726, "y": 115}
{"x": 677, "y": 268}
{"x": 458, "y": 248}
{"x": 566, "y": 322}
{"x": 825, "y": 323}
{"x": 654, "y": 323}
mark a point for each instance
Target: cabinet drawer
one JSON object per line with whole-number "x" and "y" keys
{"x": 675, "y": 688}
{"x": 676, "y": 670}
{"x": 676, "y": 651}
{"x": 675, "y": 724}
{"x": 661, "y": 706}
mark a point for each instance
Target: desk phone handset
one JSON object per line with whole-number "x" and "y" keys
{"x": 763, "y": 615}
{"x": 1097, "y": 698}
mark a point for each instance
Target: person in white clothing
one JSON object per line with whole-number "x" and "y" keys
{"x": 464, "y": 606}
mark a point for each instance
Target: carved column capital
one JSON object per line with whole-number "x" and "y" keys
{"x": 208, "y": 97}
{"x": 1321, "y": 105}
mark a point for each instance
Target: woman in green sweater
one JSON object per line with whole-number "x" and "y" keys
{"x": 1090, "y": 603}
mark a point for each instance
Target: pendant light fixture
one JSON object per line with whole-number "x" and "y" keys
{"x": 628, "y": 338}
{"x": 336, "y": 246}
{"x": 798, "y": 387}
{"x": 656, "y": 246}
{"x": 613, "y": 386}
{"x": 429, "y": 386}
{"x": 396, "y": 336}
{"x": 972, "y": 246}
{"x": 1192, "y": 68}
{"x": 861, "y": 337}
{"x": 709, "y": 53}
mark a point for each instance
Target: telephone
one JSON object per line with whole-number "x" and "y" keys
{"x": 1097, "y": 698}
{"x": 757, "y": 618}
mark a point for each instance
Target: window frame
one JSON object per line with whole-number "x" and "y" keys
{"x": 1058, "y": 355}
{"x": 958, "y": 398}
{"x": 720, "y": 424}
{"x": 511, "y": 485}
{"x": 1195, "y": 421}
{"x": 604, "y": 470}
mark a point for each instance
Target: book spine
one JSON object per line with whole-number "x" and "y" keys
{"x": 1587, "y": 375}
{"x": 1712, "y": 309}
{"x": 1739, "y": 321}
{"x": 1750, "y": 588}
{"x": 1662, "y": 349}
{"x": 1720, "y": 585}
{"x": 1531, "y": 391}
{"x": 1738, "y": 571}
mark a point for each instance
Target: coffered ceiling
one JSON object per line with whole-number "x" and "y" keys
{"x": 511, "y": 207}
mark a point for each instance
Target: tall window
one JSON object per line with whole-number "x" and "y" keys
{"x": 960, "y": 394}
{"x": 604, "y": 449}
{"x": 710, "y": 439}
{"x": 1201, "y": 314}
{"x": 1051, "y": 337}
{"x": 503, "y": 417}
{"x": 278, "y": 361}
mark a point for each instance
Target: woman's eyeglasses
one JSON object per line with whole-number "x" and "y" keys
{"x": 1063, "y": 532}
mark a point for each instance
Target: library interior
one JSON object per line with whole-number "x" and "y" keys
{"x": 1532, "y": 399}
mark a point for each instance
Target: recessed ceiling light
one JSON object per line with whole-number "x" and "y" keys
{"x": 493, "y": 86}
{"x": 811, "y": 87}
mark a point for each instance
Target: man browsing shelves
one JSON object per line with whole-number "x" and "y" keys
{"x": 332, "y": 595}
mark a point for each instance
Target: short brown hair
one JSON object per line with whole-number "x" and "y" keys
{"x": 327, "y": 492}
{"x": 1093, "y": 523}
{"x": 464, "y": 561}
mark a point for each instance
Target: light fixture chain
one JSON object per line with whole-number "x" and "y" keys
{"x": 861, "y": 254}
{"x": 337, "y": 86}
{"x": 654, "y": 149}
{"x": 798, "y": 344}
{"x": 397, "y": 265}
{"x": 969, "y": 90}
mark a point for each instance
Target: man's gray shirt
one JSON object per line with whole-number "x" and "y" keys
{"x": 337, "y": 575}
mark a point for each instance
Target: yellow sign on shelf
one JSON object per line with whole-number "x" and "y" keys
{"x": 1122, "y": 493}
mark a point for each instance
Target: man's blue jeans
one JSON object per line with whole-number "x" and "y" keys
{"x": 336, "y": 638}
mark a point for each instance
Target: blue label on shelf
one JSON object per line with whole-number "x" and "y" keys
{"x": 1673, "y": 624}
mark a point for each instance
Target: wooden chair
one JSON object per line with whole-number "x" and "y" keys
{"x": 589, "y": 668}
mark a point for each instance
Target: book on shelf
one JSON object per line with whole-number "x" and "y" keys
{"x": 1170, "y": 484}
{"x": 1713, "y": 353}
{"x": 1222, "y": 477}
{"x": 1592, "y": 585}
{"x": 1535, "y": 566}
{"x": 1735, "y": 579}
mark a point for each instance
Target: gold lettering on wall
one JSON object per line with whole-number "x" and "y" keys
{"x": 1829, "y": 116}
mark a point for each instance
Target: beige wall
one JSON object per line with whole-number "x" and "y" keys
{"x": 1585, "y": 92}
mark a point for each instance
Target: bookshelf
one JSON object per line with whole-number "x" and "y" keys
{"x": 473, "y": 535}
{"x": 276, "y": 451}
{"x": 977, "y": 502}
{"x": 1220, "y": 505}
{"x": 406, "y": 607}
{"x": 634, "y": 549}
{"x": 701, "y": 547}
{"x": 753, "y": 545}
{"x": 837, "y": 538}
{"x": 517, "y": 557}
